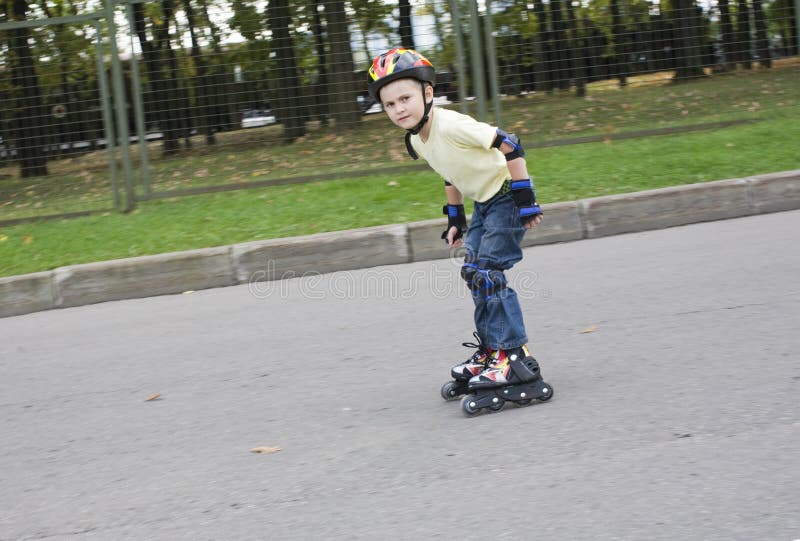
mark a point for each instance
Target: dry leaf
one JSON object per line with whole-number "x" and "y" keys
{"x": 27, "y": 239}
{"x": 589, "y": 330}
{"x": 265, "y": 450}
{"x": 154, "y": 396}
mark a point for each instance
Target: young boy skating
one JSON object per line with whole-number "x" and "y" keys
{"x": 487, "y": 165}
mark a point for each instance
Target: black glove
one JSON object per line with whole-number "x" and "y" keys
{"x": 525, "y": 199}
{"x": 455, "y": 218}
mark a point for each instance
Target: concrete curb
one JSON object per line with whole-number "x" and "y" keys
{"x": 386, "y": 245}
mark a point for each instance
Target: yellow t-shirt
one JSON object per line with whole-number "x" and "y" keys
{"x": 459, "y": 148}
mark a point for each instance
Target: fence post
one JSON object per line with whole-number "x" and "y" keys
{"x": 478, "y": 81}
{"x": 108, "y": 124}
{"x": 491, "y": 54}
{"x": 120, "y": 106}
{"x": 462, "y": 63}
{"x": 138, "y": 106}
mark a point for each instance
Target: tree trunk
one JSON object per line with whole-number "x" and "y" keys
{"x": 561, "y": 60}
{"x": 201, "y": 87}
{"x": 27, "y": 124}
{"x": 728, "y": 37}
{"x": 578, "y": 52}
{"x": 171, "y": 105}
{"x": 406, "y": 32}
{"x": 287, "y": 104}
{"x": 320, "y": 89}
{"x": 341, "y": 85}
{"x": 152, "y": 63}
{"x": 743, "y": 34}
{"x": 688, "y": 41}
{"x": 220, "y": 100}
{"x": 619, "y": 57}
{"x": 541, "y": 79}
{"x": 762, "y": 44}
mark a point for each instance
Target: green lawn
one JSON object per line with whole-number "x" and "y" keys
{"x": 561, "y": 173}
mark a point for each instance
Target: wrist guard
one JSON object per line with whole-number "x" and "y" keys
{"x": 525, "y": 199}
{"x": 455, "y": 218}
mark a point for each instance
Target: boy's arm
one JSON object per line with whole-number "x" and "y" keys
{"x": 518, "y": 168}
{"x": 456, "y": 218}
{"x": 454, "y": 197}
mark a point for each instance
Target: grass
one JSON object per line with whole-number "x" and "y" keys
{"x": 770, "y": 99}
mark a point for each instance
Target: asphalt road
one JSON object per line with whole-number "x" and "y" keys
{"x": 673, "y": 355}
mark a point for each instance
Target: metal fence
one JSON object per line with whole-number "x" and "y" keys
{"x": 141, "y": 100}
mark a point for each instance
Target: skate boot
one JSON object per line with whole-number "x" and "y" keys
{"x": 513, "y": 376}
{"x": 462, "y": 372}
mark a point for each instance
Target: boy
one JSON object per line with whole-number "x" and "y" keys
{"x": 487, "y": 165}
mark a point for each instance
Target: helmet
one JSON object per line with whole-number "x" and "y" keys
{"x": 399, "y": 63}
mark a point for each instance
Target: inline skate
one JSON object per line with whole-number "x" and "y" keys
{"x": 514, "y": 376}
{"x": 462, "y": 372}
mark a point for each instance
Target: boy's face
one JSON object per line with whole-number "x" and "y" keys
{"x": 404, "y": 103}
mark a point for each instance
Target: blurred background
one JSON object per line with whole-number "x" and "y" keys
{"x": 104, "y": 106}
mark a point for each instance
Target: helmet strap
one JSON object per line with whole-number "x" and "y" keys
{"x": 428, "y": 105}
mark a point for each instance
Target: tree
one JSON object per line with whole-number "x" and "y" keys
{"x": 743, "y": 56}
{"x": 579, "y": 52}
{"x": 782, "y": 20}
{"x": 762, "y": 44}
{"x": 207, "y": 124}
{"x": 161, "y": 100}
{"x": 688, "y": 39}
{"x": 561, "y": 62}
{"x": 619, "y": 60}
{"x": 342, "y": 90}
{"x": 27, "y": 121}
{"x": 320, "y": 88}
{"x": 728, "y": 36}
{"x": 370, "y": 16}
{"x": 287, "y": 103}
{"x": 405, "y": 31}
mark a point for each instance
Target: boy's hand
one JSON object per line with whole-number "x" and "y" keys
{"x": 525, "y": 198}
{"x": 456, "y": 225}
{"x": 451, "y": 239}
{"x": 536, "y": 220}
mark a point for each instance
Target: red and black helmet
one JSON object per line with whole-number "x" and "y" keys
{"x": 399, "y": 63}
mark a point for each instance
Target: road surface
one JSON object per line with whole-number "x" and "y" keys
{"x": 673, "y": 355}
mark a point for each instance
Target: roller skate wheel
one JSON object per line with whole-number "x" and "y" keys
{"x": 449, "y": 391}
{"x": 469, "y": 406}
{"x": 548, "y": 393}
{"x": 497, "y": 404}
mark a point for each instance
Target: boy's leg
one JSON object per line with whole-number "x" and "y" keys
{"x": 472, "y": 243}
{"x": 501, "y": 320}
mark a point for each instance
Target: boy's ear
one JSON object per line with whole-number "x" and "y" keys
{"x": 428, "y": 92}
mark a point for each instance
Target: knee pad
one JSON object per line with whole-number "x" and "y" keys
{"x": 468, "y": 271}
{"x": 489, "y": 281}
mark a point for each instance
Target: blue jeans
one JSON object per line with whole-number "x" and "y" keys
{"x": 493, "y": 242}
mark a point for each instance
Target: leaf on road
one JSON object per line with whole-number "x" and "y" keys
{"x": 154, "y": 396}
{"x": 589, "y": 330}
{"x": 265, "y": 450}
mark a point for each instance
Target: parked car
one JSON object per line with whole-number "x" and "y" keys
{"x": 254, "y": 118}
{"x": 367, "y": 105}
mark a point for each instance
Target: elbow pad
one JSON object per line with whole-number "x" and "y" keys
{"x": 510, "y": 139}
